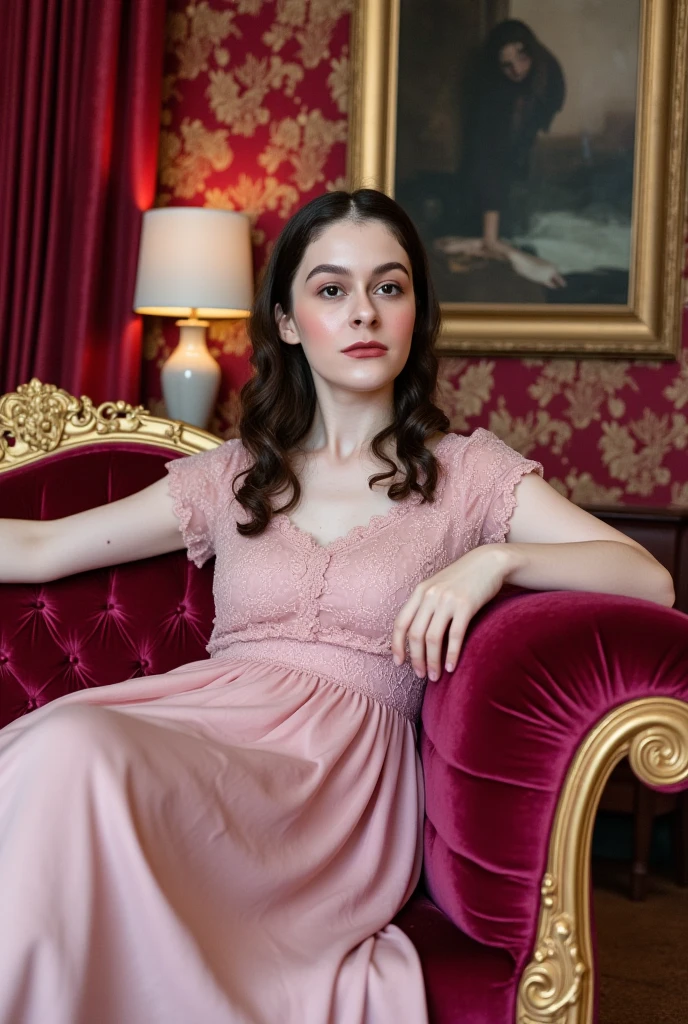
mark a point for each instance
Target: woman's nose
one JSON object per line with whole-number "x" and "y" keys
{"x": 364, "y": 311}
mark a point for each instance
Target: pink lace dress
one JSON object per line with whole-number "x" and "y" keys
{"x": 228, "y": 843}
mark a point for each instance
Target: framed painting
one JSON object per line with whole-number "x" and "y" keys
{"x": 540, "y": 149}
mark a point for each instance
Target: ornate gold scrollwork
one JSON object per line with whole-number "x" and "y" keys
{"x": 659, "y": 755}
{"x": 38, "y": 418}
{"x": 551, "y": 982}
{"x": 557, "y": 985}
{"x": 37, "y": 415}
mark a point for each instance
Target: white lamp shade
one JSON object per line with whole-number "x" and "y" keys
{"x": 194, "y": 261}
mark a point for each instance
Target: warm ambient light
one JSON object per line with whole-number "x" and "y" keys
{"x": 195, "y": 264}
{"x": 191, "y": 258}
{"x": 188, "y": 311}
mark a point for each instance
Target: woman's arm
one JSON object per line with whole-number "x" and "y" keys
{"x": 598, "y": 566}
{"x": 523, "y": 263}
{"x": 491, "y": 229}
{"x": 140, "y": 526}
{"x": 551, "y": 545}
{"x": 554, "y": 545}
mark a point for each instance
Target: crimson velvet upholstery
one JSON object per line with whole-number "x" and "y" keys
{"x": 538, "y": 672}
{"x": 97, "y": 627}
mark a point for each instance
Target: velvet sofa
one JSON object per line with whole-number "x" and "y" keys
{"x": 551, "y": 691}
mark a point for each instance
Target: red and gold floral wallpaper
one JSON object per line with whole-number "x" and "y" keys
{"x": 254, "y": 118}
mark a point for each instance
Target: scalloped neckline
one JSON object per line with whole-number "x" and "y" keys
{"x": 356, "y": 533}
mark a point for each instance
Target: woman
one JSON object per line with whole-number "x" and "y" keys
{"x": 515, "y": 93}
{"x": 229, "y": 842}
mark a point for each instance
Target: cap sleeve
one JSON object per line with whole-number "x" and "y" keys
{"x": 199, "y": 485}
{"x": 495, "y": 470}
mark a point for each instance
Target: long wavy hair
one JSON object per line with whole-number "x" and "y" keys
{"x": 543, "y": 91}
{"x": 279, "y": 401}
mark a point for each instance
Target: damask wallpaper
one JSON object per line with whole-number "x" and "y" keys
{"x": 254, "y": 118}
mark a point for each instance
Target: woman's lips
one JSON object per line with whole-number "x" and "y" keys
{"x": 365, "y": 353}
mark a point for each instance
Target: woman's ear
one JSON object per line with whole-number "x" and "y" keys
{"x": 285, "y": 326}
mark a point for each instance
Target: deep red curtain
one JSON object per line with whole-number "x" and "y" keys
{"x": 80, "y": 85}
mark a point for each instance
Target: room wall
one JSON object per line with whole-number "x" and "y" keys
{"x": 254, "y": 118}
{"x": 600, "y": 66}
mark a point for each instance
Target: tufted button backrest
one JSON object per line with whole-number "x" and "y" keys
{"x": 97, "y": 627}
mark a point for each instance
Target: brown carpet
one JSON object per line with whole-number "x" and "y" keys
{"x": 642, "y": 949}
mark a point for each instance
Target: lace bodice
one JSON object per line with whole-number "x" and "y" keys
{"x": 331, "y": 608}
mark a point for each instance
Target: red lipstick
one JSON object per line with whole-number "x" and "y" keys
{"x": 365, "y": 349}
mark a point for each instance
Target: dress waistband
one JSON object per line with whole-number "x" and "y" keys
{"x": 374, "y": 675}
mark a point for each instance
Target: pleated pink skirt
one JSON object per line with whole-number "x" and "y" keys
{"x": 223, "y": 844}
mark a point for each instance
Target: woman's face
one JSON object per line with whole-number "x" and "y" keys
{"x": 353, "y": 285}
{"x": 515, "y": 62}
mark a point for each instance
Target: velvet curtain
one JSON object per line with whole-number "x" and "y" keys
{"x": 80, "y": 85}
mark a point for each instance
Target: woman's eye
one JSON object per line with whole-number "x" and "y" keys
{"x": 331, "y": 290}
{"x": 390, "y": 284}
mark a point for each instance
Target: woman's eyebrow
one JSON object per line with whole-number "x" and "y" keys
{"x": 329, "y": 268}
{"x": 385, "y": 268}
{"x": 332, "y": 268}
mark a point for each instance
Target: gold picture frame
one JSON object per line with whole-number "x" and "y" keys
{"x": 649, "y": 325}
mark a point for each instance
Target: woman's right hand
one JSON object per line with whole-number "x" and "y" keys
{"x": 535, "y": 269}
{"x": 140, "y": 526}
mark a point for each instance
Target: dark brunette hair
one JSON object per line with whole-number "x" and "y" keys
{"x": 279, "y": 401}
{"x": 544, "y": 88}
{"x": 511, "y": 31}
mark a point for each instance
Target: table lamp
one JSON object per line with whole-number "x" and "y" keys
{"x": 194, "y": 263}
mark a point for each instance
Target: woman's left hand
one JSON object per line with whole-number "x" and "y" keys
{"x": 454, "y": 245}
{"x": 452, "y": 595}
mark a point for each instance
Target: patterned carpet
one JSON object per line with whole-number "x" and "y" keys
{"x": 642, "y": 949}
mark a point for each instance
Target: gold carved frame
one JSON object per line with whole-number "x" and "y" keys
{"x": 649, "y": 326}
{"x": 37, "y": 419}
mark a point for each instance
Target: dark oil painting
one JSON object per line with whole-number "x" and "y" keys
{"x": 515, "y": 146}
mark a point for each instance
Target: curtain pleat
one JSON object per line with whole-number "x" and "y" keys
{"x": 79, "y": 111}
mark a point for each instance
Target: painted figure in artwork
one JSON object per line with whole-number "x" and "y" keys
{"x": 513, "y": 94}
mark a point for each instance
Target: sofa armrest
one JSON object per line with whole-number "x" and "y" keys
{"x": 537, "y": 675}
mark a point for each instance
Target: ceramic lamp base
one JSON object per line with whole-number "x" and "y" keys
{"x": 191, "y": 377}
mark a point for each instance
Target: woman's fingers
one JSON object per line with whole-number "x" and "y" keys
{"x": 418, "y": 636}
{"x": 455, "y": 613}
{"x": 424, "y": 621}
{"x": 402, "y": 624}
{"x": 431, "y": 639}
{"x": 445, "y": 610}
{"x": 457, "y": 631}
{"x": 450, "y": 598}
{"x": 412, "y": 623}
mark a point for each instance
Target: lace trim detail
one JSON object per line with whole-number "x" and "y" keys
{"x": 197, "y": 484}
{"x": 374, "y": 675}
{"x": 197, "y": 542}
{"x": 358, "y": 533}
{"x": 504, "y": 507}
